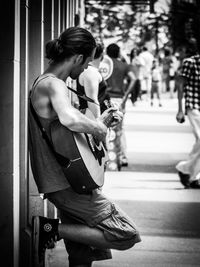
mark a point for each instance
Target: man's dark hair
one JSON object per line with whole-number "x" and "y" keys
{"x": 113, "y": 51}
{"x": 167, "y": 52}
{"x": 99, "y": 51}
{"x": 192, "y": 47}
{"x": 134, "y": 52}
{"x": 74, "y": 40}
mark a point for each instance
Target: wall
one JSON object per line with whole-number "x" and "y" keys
{"x": 26, "y": 26}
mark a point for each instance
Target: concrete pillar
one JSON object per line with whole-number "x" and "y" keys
{"x": 9, "y": 134}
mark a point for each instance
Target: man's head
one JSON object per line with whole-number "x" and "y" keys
{"x": 134, "y": 52}
{"x": 73, "y": 42}
{"x": 192, "y": 47}
{"x": 99, "y": 51}
{"x": 113, "y": 51}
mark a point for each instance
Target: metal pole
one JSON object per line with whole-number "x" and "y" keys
{"x": 156, "y": 26}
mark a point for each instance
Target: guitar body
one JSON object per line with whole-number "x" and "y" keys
{"x": 87, "y": 158}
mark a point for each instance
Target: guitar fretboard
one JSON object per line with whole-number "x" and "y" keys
{"x": 109, "y": 119}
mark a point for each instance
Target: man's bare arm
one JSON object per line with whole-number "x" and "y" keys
{"x": 132, "y": 78}
{"x": 73, "y": 118}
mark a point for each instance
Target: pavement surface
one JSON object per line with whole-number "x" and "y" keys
{"x": 166, "y": 214}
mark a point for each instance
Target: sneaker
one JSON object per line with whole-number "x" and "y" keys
{"x": 44, "y": 235}
{"x": 124, "y": 162}
{"x": 195, "y": 184}
{"x": 184, "y": 179}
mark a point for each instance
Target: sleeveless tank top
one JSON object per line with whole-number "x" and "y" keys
{"x": 47, "y": 173}
{"x": 102, "y": 95}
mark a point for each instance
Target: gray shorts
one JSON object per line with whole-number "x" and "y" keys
{"x": 94, "y": 210}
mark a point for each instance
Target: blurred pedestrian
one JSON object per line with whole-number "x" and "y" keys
{"x": 180, "y": 56}
{"x": 166, "y": 61}
{"x": 91, "y": 83}
{"x": 189, "y": 88}
{"x": 137, "y": 63}
{"x": 173, "y": 68}
{"x": 148, "y": 58}
{"x": 169, "y": 69}
{"x": 119, "y": 93}
{"x": 156, "y": 82}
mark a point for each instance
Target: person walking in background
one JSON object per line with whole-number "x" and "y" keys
{"x": 189, "y": 87}
{"x": 180, "y": 56}
{"x": 90, "y": 225}
{"x": 148, "y": 58}
{"x": 156, "y": 82}
{"x": 119, "y": 94}
{"x": 166, "y": 62}
{"x": 91, "y": 83}
{"x": 173, "y": 68}
{"x": 169, "y": 69}
{"x": 137, "y": 63}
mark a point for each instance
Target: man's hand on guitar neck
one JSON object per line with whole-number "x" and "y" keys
{"x": 111, "y": 117}
{"x": 117, "y": 118}
{"x": 116, "y": 113}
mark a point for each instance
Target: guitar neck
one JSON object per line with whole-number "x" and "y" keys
{"x": 108, "y": 120}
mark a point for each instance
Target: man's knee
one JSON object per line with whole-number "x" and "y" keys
{"x": 126, "y": 244}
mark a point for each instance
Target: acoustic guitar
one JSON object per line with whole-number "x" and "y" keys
{"x": 87, "y": 155}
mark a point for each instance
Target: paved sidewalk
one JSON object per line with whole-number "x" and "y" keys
{"x": 151, "y": 252}
{"x": 150, "y": 192}
{"x": 166, "y": 216}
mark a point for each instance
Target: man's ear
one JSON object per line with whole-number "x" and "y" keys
{"x": 78, "y": 59}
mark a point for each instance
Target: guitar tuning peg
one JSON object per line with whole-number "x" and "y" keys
{"x": 108, "y": 103}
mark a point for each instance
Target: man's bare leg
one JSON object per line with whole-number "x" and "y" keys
{"x": 46, "y": 230}
{"x": 87, "y": 235}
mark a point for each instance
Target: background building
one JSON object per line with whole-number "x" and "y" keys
{"x": 26, "y": 26}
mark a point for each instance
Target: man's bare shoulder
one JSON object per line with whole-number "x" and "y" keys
{"x": 51, "y": 85}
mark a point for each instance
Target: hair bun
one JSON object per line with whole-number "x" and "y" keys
{"x": 72, "y": 41}
{"x": 59, "y": 46}
{"x": 54, "y": 49}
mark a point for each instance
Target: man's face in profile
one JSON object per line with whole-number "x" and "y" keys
{"x": 78, "y": 69}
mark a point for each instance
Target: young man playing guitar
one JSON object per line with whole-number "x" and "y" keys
{"x": 90, "y": 224}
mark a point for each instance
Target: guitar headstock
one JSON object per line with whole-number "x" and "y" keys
{"x": 108, "y": 103}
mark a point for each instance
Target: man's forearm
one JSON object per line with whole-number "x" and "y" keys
{"x": 75, "y": 121}
{"x": 79, "y": 122}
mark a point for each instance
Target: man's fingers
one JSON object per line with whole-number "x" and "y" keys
{"x": 112, "y": 109}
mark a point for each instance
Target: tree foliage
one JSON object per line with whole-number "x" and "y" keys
{"x": 126, "y": 22}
